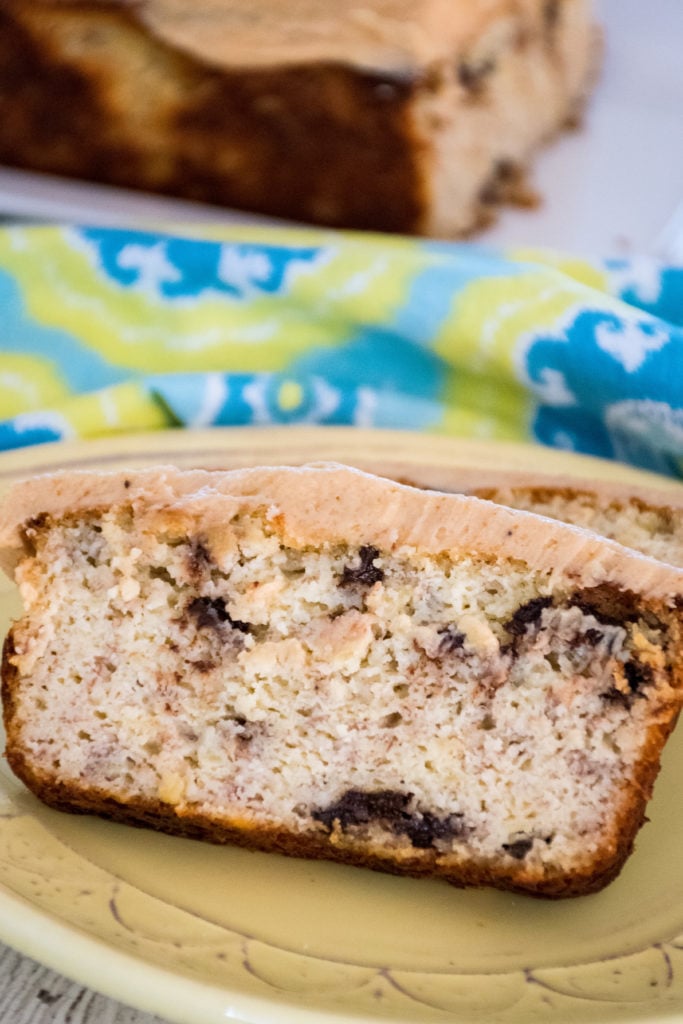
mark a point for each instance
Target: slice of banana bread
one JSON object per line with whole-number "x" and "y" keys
{"x": 328, "y": 664}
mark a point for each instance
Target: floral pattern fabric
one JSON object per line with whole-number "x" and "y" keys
{"x": 108, "y": 330}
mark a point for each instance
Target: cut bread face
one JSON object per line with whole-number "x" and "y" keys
{"x": 327, "y": 664}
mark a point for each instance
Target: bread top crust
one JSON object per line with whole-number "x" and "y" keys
{"x": 392, "y": 35}
{"x": 471, "y": 480}
{"x": 326, "y": 503}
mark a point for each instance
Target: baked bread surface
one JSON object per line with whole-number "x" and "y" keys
{"x": 327, "y": 664}
{"x": 648, "y": 519}
{"x": 384, "y": 115}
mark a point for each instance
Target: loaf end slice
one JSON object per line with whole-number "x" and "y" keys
{"x": 322, "y": 663}
{"x": 408, "y": 117}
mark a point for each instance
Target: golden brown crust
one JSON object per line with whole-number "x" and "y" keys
{"x": 610, "y": 508}
{"x": 341, "y": 130}
{"x": 397, "y": 35}
{"x": 321, "y": 504}
{"x": 247, "y": 139}
{"x": 8, "y": 685}
{"x": 484, "y": 483}
{"x": 315, "y": 505}
{"x": 193, "y": 824}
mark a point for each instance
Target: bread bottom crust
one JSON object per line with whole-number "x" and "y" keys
{"x": 159, "y": 816}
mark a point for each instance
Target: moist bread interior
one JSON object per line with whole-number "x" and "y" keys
{"x": 460, "y": 714}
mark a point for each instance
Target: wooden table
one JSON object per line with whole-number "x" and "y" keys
{"x": 32, "y": 994}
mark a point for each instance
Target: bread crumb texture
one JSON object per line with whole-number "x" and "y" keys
{"x": 434, "y": 714}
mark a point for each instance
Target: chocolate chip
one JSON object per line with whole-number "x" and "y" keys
{"x": 126, "y": 484}
{"x": 160, "y": 572}
{"x": 390, "y": 809}
{"x": 527, "y": 615}
{"x": 593, "y": 637}
{"x": 199, "y": 558}
{"x": 204, "y": 665}
{"x": 432, "y": 80}
{"x": 615, "y": 696}
{"x": 385, "y": 92}
{"x": 637, "y": 675}
{"x": 211, "y": 613}
{"x": 31, "y": 528}
{"x": 357, "y": 807}
{"x": 519, "y": 847}
{"x": 242, "y": 627}
{"x": 551, "y": 14}
{"x": 365, "y": 574}
{"x": 451, "y": 640}
{"x": 37, "y": 522}
{"x": 208, "y": 612}
{"x": 607, "y": 604}
{"x": 425, "y": 829}
{"x": 473, "y": 74}
{"x": 503, "y": 175}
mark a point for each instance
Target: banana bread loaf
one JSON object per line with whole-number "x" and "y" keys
{"x": 320, "y": 662}
{"x": 393, "y": 115}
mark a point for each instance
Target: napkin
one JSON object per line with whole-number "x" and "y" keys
{"x": 108, "y": 330}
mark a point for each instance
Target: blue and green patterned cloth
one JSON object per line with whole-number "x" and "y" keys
{"x": 105, "y": 330}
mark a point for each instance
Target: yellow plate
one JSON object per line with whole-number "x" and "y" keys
{"x": 203, "y": 934}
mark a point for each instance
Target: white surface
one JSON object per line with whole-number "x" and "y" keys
{"x": 614, "y": 186}
{"x": 611, "y": 188}
{"x": 32, "y": 994}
